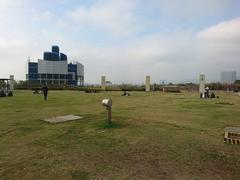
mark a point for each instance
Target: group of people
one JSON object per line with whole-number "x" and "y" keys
{"x": 208, "y": 94}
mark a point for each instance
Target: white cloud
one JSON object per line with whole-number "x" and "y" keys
{"x": 218, "y": 47}
{"x": 116, "y": 16}
{"x": 43, "y": 16}
{"x": 129, "y": 55}
{"x": 156, "y": 55}
{"x": 190, "y": 9}
{"x": 224, "y": 32}
{"x": 13, "y": 42}
{"x": 181, "y": 55}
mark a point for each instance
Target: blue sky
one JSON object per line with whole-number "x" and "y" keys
{"x": 124, "y": 39}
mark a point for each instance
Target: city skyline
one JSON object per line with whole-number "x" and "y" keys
{"x": 124, "y": 40}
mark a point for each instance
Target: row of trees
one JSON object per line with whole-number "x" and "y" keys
{"x": 131, "y": 87}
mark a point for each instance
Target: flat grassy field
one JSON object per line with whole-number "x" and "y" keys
{"x": 154, "y": 136}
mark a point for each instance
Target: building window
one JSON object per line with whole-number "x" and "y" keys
{"x": 43, "y": 76}
{"x": 62, "y": 76}
{"x": 69, "y": 76}
{"x": 49, "y": 76}
{"x": 55, "y": 76}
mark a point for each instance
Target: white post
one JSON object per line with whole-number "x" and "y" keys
{"x": 12, "y": 83}
{"x": 103, "y": 82}
{"x": 202, "y": 84}
{"x": 147, "y": 89}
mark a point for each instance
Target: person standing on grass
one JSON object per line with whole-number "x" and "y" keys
{"x": 45, "y": 91}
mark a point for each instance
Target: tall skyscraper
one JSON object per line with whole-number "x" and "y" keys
{"x": 228, "y": 77}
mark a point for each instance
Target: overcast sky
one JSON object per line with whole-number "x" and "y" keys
{"x": 171, "y": 40}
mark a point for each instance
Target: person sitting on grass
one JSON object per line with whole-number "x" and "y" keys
{"x": 212, "y": 95}
{"x": 206, "y": 95}
{"x": 125, "y": 93}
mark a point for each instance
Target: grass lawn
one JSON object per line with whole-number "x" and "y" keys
{"x": 154, "y": 136}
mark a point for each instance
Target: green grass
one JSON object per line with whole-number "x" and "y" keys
{"x": 153, "y": 136}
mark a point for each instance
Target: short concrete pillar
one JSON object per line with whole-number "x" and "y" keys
{"x": 147, "y": 89}
{"x": 201, "y": 83}
{"x": 11, "y": 83}
{"x": 103, "y": 83}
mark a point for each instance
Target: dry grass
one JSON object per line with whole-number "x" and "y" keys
{"x": 154, "y": 136}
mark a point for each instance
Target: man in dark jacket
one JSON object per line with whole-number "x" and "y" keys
{"x": 45, "y": 91}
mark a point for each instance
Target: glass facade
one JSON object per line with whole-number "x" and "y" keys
{"x": 32, "y": 71}
{"x": 70, "y": 79}
{"x": 57, "y": 74}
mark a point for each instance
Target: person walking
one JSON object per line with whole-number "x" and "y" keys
{"x": 45, "y": 91}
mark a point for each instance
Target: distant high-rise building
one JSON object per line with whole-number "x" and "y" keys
{"x": 228, "y": 77}
{"x": 54, "y": 69}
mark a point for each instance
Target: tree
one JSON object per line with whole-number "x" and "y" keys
{"x": 237, "y": 82}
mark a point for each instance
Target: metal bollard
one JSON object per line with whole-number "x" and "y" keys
{"x": 108, "y": 104}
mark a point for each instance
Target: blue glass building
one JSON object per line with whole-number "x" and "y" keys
{"x": 54, "y": 69}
